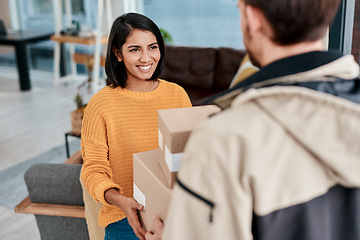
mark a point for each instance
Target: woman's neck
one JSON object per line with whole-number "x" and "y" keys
{"x": 142, "y": 86}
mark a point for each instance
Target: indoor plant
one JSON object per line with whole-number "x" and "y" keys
{"x": 77, "y": 114}
{"x": 166, "y": 36}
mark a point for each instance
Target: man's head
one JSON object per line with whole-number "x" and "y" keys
{"x": 287, "y": 22}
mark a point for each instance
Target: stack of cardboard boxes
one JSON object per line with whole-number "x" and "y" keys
{"x": 155, "y": 171}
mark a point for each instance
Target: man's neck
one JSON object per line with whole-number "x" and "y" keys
{"x": 278, "y": 52}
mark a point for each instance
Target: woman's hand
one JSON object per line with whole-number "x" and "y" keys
{"x": 130, "y": 207}
{"x": 159, "y": 226}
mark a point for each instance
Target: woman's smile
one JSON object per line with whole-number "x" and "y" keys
{"x": 145, "y": 68}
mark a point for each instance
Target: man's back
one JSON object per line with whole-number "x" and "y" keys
{"x": 274, "y": 164}
{"x": 280, "y": 163}
{"x": 281, "y": 157}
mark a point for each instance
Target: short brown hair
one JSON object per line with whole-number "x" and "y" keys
{"x": 295, "y": 21}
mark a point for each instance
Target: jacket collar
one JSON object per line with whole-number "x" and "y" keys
{"x": 289, "y": 66}
{"x": 303, "y": 67}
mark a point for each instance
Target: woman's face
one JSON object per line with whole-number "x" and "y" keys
{"x": 140, "y": 55}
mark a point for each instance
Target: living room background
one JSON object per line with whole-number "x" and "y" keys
{"x": 204, "y": 23}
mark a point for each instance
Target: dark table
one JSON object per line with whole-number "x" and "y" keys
{"x": 20, "y": 40}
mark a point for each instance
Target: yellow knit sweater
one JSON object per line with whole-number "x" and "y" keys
{"x": 117, "y": 123}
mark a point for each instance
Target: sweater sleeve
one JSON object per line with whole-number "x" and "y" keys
{"x": 96, "y": 172}
{"x": 186, "y": 100}
{"x": 183, "y": 97}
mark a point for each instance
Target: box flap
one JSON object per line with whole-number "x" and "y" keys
{"x": 176, "y": 124}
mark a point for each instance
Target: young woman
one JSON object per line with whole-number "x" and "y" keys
{"x": 121, "y": 119}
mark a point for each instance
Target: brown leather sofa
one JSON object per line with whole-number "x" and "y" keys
{"x": 202, "y": 72}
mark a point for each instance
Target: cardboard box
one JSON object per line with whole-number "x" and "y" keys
{"x": 175, "y": 126}
{"x": 150, "y": 187}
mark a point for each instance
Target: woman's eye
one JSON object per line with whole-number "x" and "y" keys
{"x": 134, "y": 50}
{"x": 154, "y": 47}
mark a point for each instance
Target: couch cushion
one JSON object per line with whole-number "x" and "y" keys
{"x": 227, "y": 63}
{"x": 190, "y": 66}
{"x": 54, "y": 184}
{"x": 54, "y": 228}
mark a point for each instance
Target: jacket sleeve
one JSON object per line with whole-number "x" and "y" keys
{"x": 96, "y": 172}
{"x": 212, "y": 198}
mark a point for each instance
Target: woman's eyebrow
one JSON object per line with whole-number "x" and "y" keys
{"x": 133, "y": 46}
{"x": 137, "y": 46}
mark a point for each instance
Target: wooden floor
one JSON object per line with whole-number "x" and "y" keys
{"x": 17, "y": 226}
{"x": 31, "y": 123}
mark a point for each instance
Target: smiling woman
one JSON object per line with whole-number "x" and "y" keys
{"x": 140, "y": 55}
{"x": 121, "y": 119}
{"x": 132, "y": 46}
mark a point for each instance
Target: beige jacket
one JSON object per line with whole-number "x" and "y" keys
{"x": 294, "y": 145}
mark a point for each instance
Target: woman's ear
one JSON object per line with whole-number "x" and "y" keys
{"x": 117, "y": 53}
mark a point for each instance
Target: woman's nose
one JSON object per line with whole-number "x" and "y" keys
{"x": 145, "y": 56}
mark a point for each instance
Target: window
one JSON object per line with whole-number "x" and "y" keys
{"x": 39, "y": 14}
{"x": 205, "y": 23}
{"x": 341, "y": 31}
{"x": 355, "y": 49}
{"x": 35, "y": 14}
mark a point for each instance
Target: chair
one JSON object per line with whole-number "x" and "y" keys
{"x": 56, "y": 199}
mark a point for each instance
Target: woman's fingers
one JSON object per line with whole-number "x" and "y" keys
{"x": 135, "y": 223}
{"x": 138, "y": 206}
{"x": 140, "y": 233}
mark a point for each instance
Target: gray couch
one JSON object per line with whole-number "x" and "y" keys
{"x": 57, "y": 186}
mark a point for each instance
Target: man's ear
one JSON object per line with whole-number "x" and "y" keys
{"x": 257, "y": 21}
{"x": 117, "y": 53}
